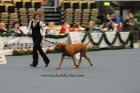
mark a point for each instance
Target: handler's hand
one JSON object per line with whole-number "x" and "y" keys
{"x": 26, "y": 33}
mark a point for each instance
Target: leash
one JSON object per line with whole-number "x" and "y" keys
{"x": 50, "y": 42}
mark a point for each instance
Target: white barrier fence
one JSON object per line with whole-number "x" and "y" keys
{"x": 8, "y": 44}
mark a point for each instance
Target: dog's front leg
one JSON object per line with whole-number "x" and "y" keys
{"x": 74, "y": 61}
{"x": 62, "y": 58}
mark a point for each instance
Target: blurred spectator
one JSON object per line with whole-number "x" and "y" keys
{"x": 115, "y": 18}
{"x": 103, "y": 27}
{"x": 112, "y": 26}
{"x": 16, "y": 27}
{"x": 131, "y": 15}
{"x": 72, "y": 28}
{"x": 78, "y": 27}
{"x": 128, "y": 22}
{"x": 43, "y": 1}
{"x": 90, "y": 26}
{"x": 108, "y": 18}
{"x": 51, "y": 28}
{"x": 65, "y": 28}
{"x": 3, "y": 27}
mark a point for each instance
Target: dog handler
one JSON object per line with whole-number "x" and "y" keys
{"x": 38, "y": 33}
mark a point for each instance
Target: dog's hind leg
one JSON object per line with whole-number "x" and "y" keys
{"x": 74, "y": 61}
{"x": 62, "y": 58}
{"x": 88, "y": 59}
{"x": 80, "y": 60}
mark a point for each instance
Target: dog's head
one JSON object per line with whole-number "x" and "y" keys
{"x": 60, "y": 46}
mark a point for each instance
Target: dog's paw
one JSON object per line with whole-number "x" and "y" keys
{"x": 57, "y": 68}
{"x": 77, "y": 66}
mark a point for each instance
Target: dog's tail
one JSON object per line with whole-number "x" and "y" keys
{"x": 89, "y": 37}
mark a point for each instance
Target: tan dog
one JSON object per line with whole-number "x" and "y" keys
{"x": 71, "y": 50}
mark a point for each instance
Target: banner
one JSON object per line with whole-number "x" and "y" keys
{"x": 102, "y": 40}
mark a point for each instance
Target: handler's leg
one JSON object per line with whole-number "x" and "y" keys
{"x": 35, "y": 55}
{"x": 38, "y": 47}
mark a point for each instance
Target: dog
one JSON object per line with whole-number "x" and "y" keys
{"x": 71, "y": 50}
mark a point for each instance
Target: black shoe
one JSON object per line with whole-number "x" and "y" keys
{"x": 47, "y": 64}
{"x": 32, "y": 65}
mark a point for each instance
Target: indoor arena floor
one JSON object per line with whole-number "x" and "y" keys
{"x": 114, "y": 71}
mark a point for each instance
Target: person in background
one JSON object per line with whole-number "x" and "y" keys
{"x": 43, "y": 1}
{"x": 65, "y": 28}
{"x": 16, "y": 27}
{"x": 3, "y": 28}
{"x": 38, "y": 33}
{"x": 51, "y": 28}
{"x": 103, "y": 27}
{"x": 78, "y": 27}
{"x": 108, "y": 18}
{"x": 90, "y": 26}
{"x": 128, "y": 22}
{"x": 116, "y": 19}
{"x": 72, "y": 28}
{"x": 131, "y": 15}
{"x": 114, "y": 26}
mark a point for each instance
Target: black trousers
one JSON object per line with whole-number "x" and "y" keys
{"x": 37, "y": 48}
